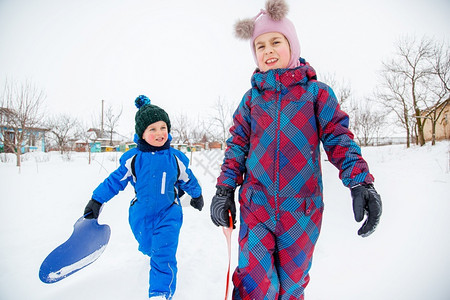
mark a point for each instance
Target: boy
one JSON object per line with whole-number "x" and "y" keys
{"x": 158, "y": 173}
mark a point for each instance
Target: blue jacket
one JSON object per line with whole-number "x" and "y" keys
{"x": 156, "y": 178}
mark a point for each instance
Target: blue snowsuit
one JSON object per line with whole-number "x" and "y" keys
{"x": 155, "y": 214}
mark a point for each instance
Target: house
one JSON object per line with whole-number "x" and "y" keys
{"x": 104, "y": 142}
{"x": 34, "y": 139}
{"x": 442, "y": 124}
{"x": 216, "y": 145}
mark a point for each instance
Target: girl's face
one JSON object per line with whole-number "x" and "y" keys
{"x": 272, "y": 51}
{"x": 156, "y": 134}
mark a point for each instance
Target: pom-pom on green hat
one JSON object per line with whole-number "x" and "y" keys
{"x": 148, "y": 114}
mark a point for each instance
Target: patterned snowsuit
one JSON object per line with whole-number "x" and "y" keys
{"x": 155, "y": 215}
{"x": 274, "y": 154}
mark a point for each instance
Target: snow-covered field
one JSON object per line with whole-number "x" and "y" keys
{"x": 408, "y": 257}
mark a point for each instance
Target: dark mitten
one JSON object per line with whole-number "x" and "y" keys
{"x": 221, "y": 203}
{"x": 197, "y": 202}
{"x": 366, "y": 200}
{"x": 92, "y": 209}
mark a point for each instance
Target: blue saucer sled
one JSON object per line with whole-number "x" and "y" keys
{"x": 85, "y": 245}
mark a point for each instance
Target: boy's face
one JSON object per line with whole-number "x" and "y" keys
{"x": 272, "y": 51}
{"x": 156, "y": 134}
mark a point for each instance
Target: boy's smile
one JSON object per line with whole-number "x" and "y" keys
{"x": 272, "y": 51}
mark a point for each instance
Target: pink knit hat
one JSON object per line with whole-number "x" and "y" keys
{"x": 272, "y": 19}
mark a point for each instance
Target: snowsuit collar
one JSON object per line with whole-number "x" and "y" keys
{"x": 146, "y": 147}
{"x": 270, "y": 80}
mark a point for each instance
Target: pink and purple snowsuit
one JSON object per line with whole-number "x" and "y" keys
{"x": 274, "y": 155}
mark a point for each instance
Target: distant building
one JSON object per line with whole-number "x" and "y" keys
{"x": 216, "y": 145}
{"x": 442, "y": 124}
{"x": 34, "y": 137}
{"x": 106, "y": 143}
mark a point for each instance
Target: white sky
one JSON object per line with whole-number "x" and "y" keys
{"x": 183, "y": 55}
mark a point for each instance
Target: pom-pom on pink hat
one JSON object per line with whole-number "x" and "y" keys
{"x": 272, "y": 19}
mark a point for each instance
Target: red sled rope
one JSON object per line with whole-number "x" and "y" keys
{"x": 227, "y": 231}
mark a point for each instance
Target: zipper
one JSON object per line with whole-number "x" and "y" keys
{"x": 277, "y": 163}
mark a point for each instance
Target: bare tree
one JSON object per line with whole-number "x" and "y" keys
{"x": 21, "y": 111}
{"x": 186, "y": 130}
{"x": 342, "y": 89}
{"x": 439, "y": 85}
{"x": 88, "y": 136}
{"x": 111, "y": 122}
{"x": 62, "y": 127}
{"x": 181, "y": 128}
{"x": 200, "y": 131}
{"x": 392, "y": 95}
{"x": 366, "y": 123}
{"x": 222, "y": 119}
{"x": 405, "y": 81}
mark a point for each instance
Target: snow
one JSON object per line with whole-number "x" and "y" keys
{"x": 406, "y": 258}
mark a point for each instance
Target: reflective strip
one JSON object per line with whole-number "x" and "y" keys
{"x": 183, "y": 174}
{"x": 129, "y": 169}
{"x": 163, "y": 184}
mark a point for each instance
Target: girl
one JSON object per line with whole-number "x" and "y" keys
{"x": 274, "y": 155}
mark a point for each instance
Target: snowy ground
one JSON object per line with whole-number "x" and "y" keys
{"x": 406, "y": 258}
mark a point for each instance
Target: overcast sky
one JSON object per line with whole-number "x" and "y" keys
{"x": 183, "y": 55}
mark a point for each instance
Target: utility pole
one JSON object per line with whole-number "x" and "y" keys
{"x": 103, "y": 106}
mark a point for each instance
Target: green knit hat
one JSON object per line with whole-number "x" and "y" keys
{"x": 148, "y": 114}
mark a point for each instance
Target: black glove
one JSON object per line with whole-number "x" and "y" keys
{"x": 221, "y": 203}
{"x": 92, "y": 209}
{"x": 197, "y": 202}
{"x": 366, "y": 200}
